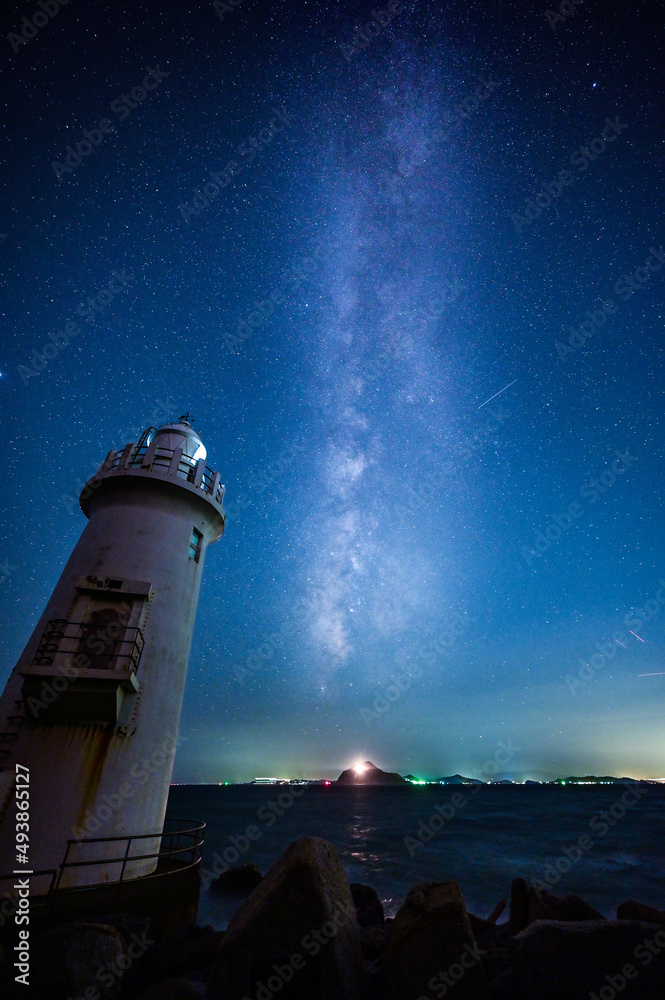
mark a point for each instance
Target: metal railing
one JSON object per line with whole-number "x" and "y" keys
{"x": 179, "y": 849}
{"x": 122, "y": 646}
{"x": 188, "y": 856}
{"x": 162, "y": 458}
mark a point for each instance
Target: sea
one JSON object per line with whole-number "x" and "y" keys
{"x": 605, "y": 843}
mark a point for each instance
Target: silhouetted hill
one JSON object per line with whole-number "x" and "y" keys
{"x": 593, "y": 778}
{"x": 459, "y": 779}
{"x": 371, "y": 775}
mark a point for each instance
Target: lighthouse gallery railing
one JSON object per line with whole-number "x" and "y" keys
{"x": 179, "y": 850}
{"x": 151, "y": 457}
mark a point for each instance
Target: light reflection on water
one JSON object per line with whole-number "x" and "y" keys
{"x": 500, "y": 834}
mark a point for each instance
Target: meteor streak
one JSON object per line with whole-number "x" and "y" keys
{"x": 497, "y": 393}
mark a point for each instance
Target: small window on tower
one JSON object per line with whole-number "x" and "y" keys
{"x": 195, "y": 545}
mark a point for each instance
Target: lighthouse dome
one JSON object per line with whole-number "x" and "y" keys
{"x": 180, "y": 435}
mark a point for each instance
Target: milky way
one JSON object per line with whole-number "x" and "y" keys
{"x": 375, "y": 263}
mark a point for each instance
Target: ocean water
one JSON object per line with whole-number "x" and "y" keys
{"x": 484, "y": 841}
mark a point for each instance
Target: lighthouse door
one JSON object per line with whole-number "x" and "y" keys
{"x": 101, "y": 638}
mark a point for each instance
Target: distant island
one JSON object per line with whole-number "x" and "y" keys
{"x": 369, "y": 774}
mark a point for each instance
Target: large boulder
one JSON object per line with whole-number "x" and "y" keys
{"x": 519, "y": 906}
{"x": 488, "y": 933}
{"x": 431, "y": 947}
{"x": 632, "y": 910}
{"x": 589, "y": 960}
{"x": 502, "y": 988}
{"x": 528, "y": 904}
{"x": 77, "y": 957}
{"x": 297, "y": 927}
{"x": 374, "y": 941}
{"x": 545, "y": 906}
{"x": 188, "y": 949}
{"x": 369, "y": 909}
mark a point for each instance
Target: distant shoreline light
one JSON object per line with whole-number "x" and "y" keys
{"x": 561, "y": 782}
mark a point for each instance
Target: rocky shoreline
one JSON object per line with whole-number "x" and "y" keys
{"x": 303, "y": 933}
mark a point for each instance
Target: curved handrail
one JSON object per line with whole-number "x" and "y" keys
{"x": 195, "y": 831}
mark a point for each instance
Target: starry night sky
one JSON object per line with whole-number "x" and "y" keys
{"x": 367, "y": 269}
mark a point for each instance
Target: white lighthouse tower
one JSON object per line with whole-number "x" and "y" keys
{"x": 91, "y": 710}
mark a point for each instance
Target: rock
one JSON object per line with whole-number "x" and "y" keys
{"x": 502, "y": 987}
{"x": 497, "y": 911}
{"x": 297, "y": 931}
{"x": 127, "y": 924}
{"x": 589, "y": 960}
{"x": 489, "y": 934}
{"x": 545, "y": 906}
{"x": 244, "y": 878}
{"x": 369, "y": 909}
{"x": 66, "y": 961}
{"x": 528, "y": 904}
{"x": 431, "y": 947}
{"x": 483, "y": 931}
{"x": 495, "y": 961}
{"x": 374, "y": 941}
{"x": 190, "y": 947}
{"x": 640, "y": 911}
{"x": 174, "y": 989}
{"x": 519, "y": 906}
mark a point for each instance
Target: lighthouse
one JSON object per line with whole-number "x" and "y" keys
{"x": 89, "y": 717}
